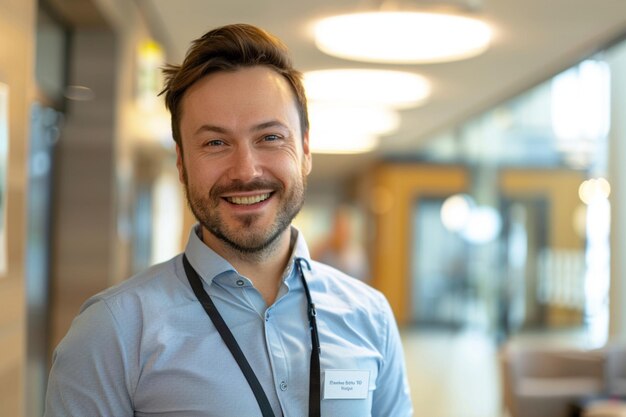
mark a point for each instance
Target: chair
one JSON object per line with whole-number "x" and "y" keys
{"x": 546, "y": 382}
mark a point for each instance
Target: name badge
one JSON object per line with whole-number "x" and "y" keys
{"x": 343, "y": 384}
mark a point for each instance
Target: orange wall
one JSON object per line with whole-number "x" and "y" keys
{"x": 394, "y": 190}
{"x": 560, "y": 188}
{"x": 17, "y": 29}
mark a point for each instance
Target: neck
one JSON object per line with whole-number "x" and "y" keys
{"x": 264, "y": 268}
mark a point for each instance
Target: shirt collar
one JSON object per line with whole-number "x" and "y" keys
{"x": 209, "y": 264}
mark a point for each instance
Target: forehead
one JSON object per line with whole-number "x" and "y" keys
{"x": 234, "y": 98}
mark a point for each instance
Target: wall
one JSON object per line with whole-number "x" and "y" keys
{"x": 95, "y": 182}
{"x": 96, "y": 179}
{"x": 17, "y": 29}
{"x": 84, "y": 222}
{"x": 131, "y": 30}
{"x": 561, "y": 190}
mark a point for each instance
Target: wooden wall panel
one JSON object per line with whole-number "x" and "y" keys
{"x": 394, "y": 190}
{"x": 17, "y": 30}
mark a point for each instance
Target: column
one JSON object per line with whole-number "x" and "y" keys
{"x": 616, "y": 58}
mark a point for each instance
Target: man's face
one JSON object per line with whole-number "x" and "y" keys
{"x": 243, "y": 160}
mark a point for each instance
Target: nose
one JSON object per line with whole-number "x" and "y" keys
{"x": 245, "y": 164}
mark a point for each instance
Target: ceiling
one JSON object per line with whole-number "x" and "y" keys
{"x": 534, "y": 39}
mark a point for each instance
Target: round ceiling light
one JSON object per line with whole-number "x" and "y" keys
{"x": 395, "y": 89}
{"x": 343, "y": 129}
{"x": 402, "y": 37}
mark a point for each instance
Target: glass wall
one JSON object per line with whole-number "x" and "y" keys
{"x": 526, "y": 245}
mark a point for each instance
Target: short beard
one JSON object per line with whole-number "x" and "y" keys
{"x": 253, "y": 247}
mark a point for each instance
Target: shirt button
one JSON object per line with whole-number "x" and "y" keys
{"x": 283, "y": 386}
{"x": 240, "y": 282}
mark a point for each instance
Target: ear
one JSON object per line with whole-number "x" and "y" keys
{"x": 179, "y": 164}
{"x": 307, "y": 163}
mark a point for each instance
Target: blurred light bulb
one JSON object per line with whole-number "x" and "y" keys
{"x": 594, "y": 189}
{"x": 455, "y": 212}
{"x": 483, "y": 225}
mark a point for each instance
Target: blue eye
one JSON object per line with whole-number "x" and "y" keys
{"x": 215, "y": 142}
{"x": 271, "y": 138}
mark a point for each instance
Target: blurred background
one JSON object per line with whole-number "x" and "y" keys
{"x": 476, "y": 178}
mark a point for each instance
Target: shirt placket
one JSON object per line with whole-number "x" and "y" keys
{"x": 277, "y": 354}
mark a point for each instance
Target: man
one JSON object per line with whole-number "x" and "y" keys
{"x": 243, "y": 323}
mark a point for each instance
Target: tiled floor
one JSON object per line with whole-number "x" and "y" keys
{"x": 452, "y": 374}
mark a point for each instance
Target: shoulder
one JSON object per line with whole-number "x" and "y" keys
{"x": 139, "y": 305}
{"x": 99, "y": 361}
{"x": 332, "y": 277}
{"x": 115, "y": 321}
{"x": 342, "y": 291}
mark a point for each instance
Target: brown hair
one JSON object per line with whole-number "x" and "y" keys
{"x": 229, "y": 48}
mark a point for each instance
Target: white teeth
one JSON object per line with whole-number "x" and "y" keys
{"x": 248, "y": 199}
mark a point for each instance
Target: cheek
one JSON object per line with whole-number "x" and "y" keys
{"x": 198, "y": 176}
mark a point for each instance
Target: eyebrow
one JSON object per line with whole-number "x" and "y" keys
{"x": 211, "y": 128}
{"x": 255, "y": 128}
{"x": 271, "y": 123}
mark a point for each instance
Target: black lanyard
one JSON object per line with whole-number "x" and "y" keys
{"x": 235, "y": 350}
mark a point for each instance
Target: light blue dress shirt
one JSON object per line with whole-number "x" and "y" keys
{"x": 147, "y": 348}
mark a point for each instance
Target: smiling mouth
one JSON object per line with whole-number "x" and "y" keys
{"x": 248, "y": 200}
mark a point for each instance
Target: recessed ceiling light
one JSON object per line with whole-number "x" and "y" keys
{"x": 396, "y": 89}
{"x": 402, "y": 37}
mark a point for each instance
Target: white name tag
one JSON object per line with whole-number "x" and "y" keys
{"x": 346, "y": 384}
